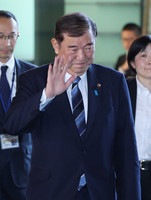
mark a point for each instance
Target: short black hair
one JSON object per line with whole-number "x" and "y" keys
{"x": 7, "y": 14}
{"x": 74, "y": 24}
{"x": 137, "y": 46}
{"x": 132, "y": 27}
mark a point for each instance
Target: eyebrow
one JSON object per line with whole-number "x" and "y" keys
{"x": 9, "y": 33}
{"x": 74, "y": 46}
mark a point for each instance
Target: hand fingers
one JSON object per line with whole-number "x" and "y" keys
{"x": 50, "y": 67}
{"x": 70, "y": 81}
{"x": 55, "y": 65}
{"x": 67, "y": 65}
{"x": 58, "y": 64}
{"x": 49, "y": 70}
{"x": 59, "y": 67}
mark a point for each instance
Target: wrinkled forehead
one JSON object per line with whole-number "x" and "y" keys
{"x": 87, "y": 34}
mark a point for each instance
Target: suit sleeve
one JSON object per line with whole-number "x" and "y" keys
{"x": 24, "y": 108}
{"x": 126, "y": 163}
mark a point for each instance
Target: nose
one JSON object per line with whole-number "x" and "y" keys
{"x": 7, "y": 41}
{"x": 149, "y": 60}
{"x": 80, "y": 54}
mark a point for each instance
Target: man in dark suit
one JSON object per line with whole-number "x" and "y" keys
{"x": 83, "y": 155}
{"x": 15, "y": 152}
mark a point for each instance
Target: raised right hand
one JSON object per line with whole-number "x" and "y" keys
{"x": 56, "y": 76}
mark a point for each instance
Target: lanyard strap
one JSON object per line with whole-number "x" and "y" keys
{"x": 9, "y": 101}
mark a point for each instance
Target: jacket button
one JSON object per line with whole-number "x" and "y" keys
{"x": 84, "y": 151}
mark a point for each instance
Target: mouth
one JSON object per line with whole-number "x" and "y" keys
{"x": 80, "y": 64}
{"x": 6, "y": 51}
{"x": 147, "y": 68}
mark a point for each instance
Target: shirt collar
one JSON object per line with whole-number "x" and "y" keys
{"x": 10, "y": 63}
{"x": 140, "y": 88}
{"x": 83, "y": 77}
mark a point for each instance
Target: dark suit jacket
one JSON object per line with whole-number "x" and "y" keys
{"x": 18, "y": 158}
{"x": 107, "y": 156}
{"x": 133, "y": 93}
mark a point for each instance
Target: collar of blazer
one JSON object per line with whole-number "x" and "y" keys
{"x": 94, "y": 83}
{"x": 94, "y": 91}
{"x": 132, "y": 85}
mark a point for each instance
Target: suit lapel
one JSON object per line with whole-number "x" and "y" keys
{"x": 18, "y": 70}
{"x": 62, "y": 103}
{"x": 94, "y": 93}
{"x": 133, "y": 93}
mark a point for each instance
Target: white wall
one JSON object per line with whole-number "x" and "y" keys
{"x": 24, "y": 10}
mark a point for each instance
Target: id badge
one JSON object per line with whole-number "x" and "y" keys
{"x": 9, "y": 141}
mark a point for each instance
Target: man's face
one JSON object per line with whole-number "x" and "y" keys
{"x": 79, "y": 49}
{"x": 127, "y": 38}
{"x": 8, "y": 27}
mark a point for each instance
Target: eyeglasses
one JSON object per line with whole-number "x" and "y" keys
{"x": 128, "y": 39}
{"x": 11, "y": 37}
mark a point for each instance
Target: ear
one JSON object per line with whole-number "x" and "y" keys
{"x": 133, "y": 64}
{"x": 55, "y": 45}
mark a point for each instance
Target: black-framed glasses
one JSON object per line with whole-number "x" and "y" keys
{"x": 11, "y": 37}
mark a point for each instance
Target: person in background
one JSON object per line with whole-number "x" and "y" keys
{"x": 84, "y": 145}
{"x": 139, "y": 60}
{"x": 128, "y": 34}
{"x": 15, "y": 152}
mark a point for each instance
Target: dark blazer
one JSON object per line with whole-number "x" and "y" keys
{"x": 18, "y": 158}
{"x": 107, "y": 155}
{"x": 133, "y": 93}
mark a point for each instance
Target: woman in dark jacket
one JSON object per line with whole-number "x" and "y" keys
{"x": 139, "y": 61}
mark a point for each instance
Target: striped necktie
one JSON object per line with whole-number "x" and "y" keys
{"x": 4, "y": 86}
{"x": 79, "y": 116}
{"x": 78, "y": 108}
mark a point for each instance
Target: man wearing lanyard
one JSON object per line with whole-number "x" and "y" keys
{"x": 15, "y": 152}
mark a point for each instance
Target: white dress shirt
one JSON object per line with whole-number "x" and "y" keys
{"x": 143, "y": 122}
{"x": 9, "y": 74}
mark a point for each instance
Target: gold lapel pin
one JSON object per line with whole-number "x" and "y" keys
{"x": 98, "y": 85}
